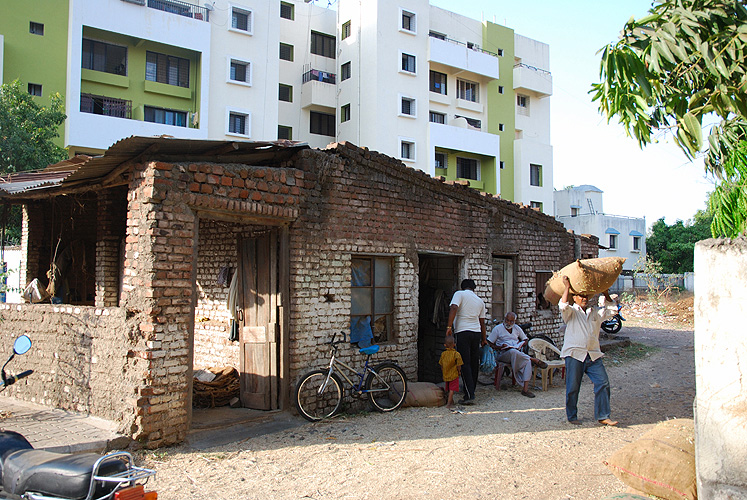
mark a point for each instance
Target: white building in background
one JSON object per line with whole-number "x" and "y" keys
{"x": 580, "y": 209}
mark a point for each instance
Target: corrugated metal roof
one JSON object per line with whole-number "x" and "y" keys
{"x": 28, "y": 181}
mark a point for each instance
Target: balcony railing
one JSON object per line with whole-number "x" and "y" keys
{"x": 176, "y": 7}
{"x": 469, "y": 45}
{"x": 314, "y": 75}
{"x": 107, "y": 106}
{"x": 533, "y": 68}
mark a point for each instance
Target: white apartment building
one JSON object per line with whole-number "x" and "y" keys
{"x": 580, "y": 209}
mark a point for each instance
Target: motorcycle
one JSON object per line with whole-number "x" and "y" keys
{"x": 614, "y": 324}
{"x": 30, "y": 474}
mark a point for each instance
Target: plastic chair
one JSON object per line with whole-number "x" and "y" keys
{"x": 540, "y": 348}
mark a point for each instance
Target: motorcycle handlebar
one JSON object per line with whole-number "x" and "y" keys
{"x": 15, "y": 378}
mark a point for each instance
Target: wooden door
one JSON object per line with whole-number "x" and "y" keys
{"x": 503, "y": 287}
{"x": 258, "y": 322}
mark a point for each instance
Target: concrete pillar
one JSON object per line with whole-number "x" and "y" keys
{"x": 721, "y": 368}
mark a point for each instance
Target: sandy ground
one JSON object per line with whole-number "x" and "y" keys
{"x": 506, "y": 446}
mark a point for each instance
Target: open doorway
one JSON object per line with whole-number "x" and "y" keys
{"x": 439, "y": 279}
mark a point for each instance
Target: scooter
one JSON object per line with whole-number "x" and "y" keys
{"x": 29, "y": 474}
{"x": 614, "y": 324}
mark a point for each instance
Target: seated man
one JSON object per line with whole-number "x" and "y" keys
{"x": 509, "y": 339}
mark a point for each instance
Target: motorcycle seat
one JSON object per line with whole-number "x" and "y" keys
{"x": 56, "y": 474}
{"x": 11, "y": 441}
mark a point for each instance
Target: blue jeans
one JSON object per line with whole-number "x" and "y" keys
{"x": 468, "y": 345}
{"x": 574, "y": 373}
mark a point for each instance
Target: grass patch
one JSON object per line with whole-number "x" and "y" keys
{"x": 632, "y": 352}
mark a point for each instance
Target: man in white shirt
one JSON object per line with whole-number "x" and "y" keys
{"x": 582, "y": 353}
{"x": 467, "y": 322}
{"x": 508, "y": 339}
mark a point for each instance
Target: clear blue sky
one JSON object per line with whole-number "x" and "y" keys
{"x": 655, "y": 182}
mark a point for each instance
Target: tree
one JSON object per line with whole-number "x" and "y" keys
{"x": 673, "y": 246}
{"x": 27, "y": 130}
{"x": 686, "y": 61}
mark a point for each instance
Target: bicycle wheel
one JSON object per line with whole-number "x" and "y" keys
{"x": 386, "y": 386}
{"x": 314, "y": 403}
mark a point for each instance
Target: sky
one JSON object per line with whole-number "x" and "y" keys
{"x": 658, "y": 181}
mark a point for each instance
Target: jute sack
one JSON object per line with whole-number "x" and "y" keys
{"x": 661, "y": 462}
{"x": 424, "y": 394}
{"x": 588, "y": 277}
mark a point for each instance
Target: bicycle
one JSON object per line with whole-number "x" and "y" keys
{"x": 319, "y": 393}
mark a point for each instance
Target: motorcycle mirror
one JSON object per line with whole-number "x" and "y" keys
{"x": 22, "y": 344}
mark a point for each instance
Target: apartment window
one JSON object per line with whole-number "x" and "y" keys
{"x": 101, "y": 56}
{"x": 436, "y": 34}
{"x": 322, "y": 123}
{"x": 345, "y": 113}
{"x": 285, "y": 92}
{"x": 345, "y": 71}
{"x": 535, "y": 175}
{"x": 35, "y": 89}
{"x": 499, "y": 52}
{"x": 322, "y": 45}
{"x": 574, "y": 212}
{"x": 537, "y": 205}
{"x": 239, "y": 71}
{"x": 241, "y": 19}
{"x": 437, "y": 82}
{"x": 286, "y": 52}
{"x": 285, "y": 132}
{"x": 502, "y": 164}
{"x": 408, "y": 63}
{"x": 636, "y": 243}
{"x": 286, "y": 10}
{"x": 468, "y": 168}
{"x": 170, "y": 70}
{"x": 467, "y": 90}
{"x": 407, "y": 106}
{"x": 371, "y": 298}
{"x": 165, "y": 116}
{"x": 407, "y": 150}
{"x": 613, "y": 242}
{"x": 107, "y": 106}
{"x": 408, "y": 21}
{"x": 436, "y": 117}
{"x": 500, "y": 89}
{"x": 501, "y": 127}
{"x": 345, "y": 31}
{"x": 440, "y": 160}
{"x": 522, "y": 104}
{"x": 36, "y": 28}
{"x": 238, "y": 123}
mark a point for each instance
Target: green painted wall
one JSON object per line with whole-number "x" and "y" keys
{"x": 487, "y": 180}
{"x": 501, "y": 107}
{"x": 32, "y": 58}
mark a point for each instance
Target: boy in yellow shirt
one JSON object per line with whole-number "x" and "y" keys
{"x": 451, "y": 367}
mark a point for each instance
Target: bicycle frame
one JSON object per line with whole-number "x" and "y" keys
{"x": 334, "y": 362}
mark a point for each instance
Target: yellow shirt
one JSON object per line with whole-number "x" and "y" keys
{"x": 449, "y": 361}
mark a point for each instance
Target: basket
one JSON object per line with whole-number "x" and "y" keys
{"x": 219, "y": 392}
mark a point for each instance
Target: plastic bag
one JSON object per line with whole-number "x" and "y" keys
{"x": 487, "y": 359}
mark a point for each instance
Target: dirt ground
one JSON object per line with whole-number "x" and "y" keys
{"x": 506, "y": 446}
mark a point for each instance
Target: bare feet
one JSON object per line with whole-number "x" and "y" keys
{"x": 608, "y": 422}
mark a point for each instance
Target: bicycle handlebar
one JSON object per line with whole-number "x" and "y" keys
{"x": 333, "y": 342}
{"x": 15, "y": 378}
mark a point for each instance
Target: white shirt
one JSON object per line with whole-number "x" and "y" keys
{"x": 582, "y": 330}
{"x": 501, "y": 335}
{"x": 471, "y": 309}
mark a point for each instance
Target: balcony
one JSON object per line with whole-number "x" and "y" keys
{"x": 314, "y": 75}
{"x": 176, "y": 7}
{"x": 533, "y": 79}
{"x": 107, "y": 106}
{"x": 318, "y": 89}
{"x": 463, "y": 56}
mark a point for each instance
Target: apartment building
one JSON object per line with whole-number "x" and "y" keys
{"x": 580, "y": 209}
{"x": 444, "y": 93}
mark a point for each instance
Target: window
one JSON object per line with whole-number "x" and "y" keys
{"x": 345, "y": 71}
{"x": 286, "y": 52}
{"x": 438, "y": 82}
{"x": 535, "y": 175}
{"x": 286, "y": 10}
{"x": 107, "y": 106}
{"x": 500, "y": 89}
{"x": 522, "y": 104}
{"x": 407, "y": 106}
{"x": 241, "y": 19}
{"x": 35, "y": 89}
{"x": 408, "y": 21}
{"x": 499, "y": 52}
{"x": 502, "y": 164}
{"x": 467, "y": 90}
{"x": 238, "y": 123}
{"x": 541, "y": 278}
{"x": 537, "y": 205}
{"x": 408, "y": 63}
{"x": 436, "y": 34}
{"x": 239, "y": 71}
{"x": 436, "y": 117}
{"x": 322, "y": 123}
{"x": 345, "y": 31}
{"x": 322, "y": 45}
{"x": 441, "y": 160}
{"x": 371, "y": 298}
{"x": 345, "y": 113}
{"x": 285, "y": 132}
{"x": 101, "y": 56}
{"x": 468, "y": 168}
{"x": 407, "y": 150}
{"x": 613, "y": 242}
{"x": 503, "y": 287}
{"x": 165, "y": 116}
{"x": 36, "y": 28}
{"x": 285, "y": 93}
{"x": 574, "y": 211}
{"x": 501, "y": 127}
{"x": 636, "y": 243}
{"x": 166, "y": 69}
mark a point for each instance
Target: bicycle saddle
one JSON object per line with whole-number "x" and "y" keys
{"x": 372, "y": 349}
